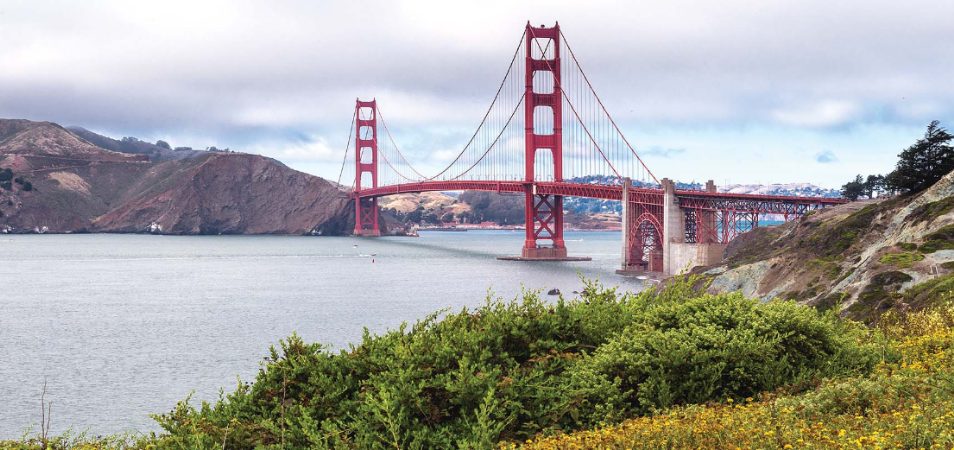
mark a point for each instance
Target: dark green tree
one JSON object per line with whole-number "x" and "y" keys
{"x": 874, "y": 184}
{"x": 853, "y": 189}
{"x": 924, "y": 163}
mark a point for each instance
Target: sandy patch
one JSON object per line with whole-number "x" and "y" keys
{"x": 71, "y": 182}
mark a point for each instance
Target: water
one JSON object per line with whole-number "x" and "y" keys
{"x": 121, "y": 326}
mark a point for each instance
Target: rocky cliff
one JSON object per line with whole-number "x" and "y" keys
{"x": 57, "y": 180}
{"x": 858, "y": 259}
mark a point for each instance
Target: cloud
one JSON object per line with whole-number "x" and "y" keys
{"x": 662, "y": 152}
{"x": 825, "y": 157}
{"x": 826, "y": 113}
{"x": 260, "y": 75}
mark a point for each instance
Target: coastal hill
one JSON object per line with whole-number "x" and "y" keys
{"x": 859, "y": 259}
{"x": 54, "y": 179}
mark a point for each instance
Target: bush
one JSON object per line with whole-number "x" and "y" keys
{"x": 901, "y": 260}
{"x": 508, "y": 371}
{"x": 715, "y": 347}
{"x": 907, "y": 402}
{"x": 942, "y": 239}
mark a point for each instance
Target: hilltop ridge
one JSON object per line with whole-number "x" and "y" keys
{"x": 73, "y": 180}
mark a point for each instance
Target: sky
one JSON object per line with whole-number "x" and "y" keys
{"x": 753, "y": 91}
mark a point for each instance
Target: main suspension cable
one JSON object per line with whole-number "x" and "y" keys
{"x": 603, "y": 107}
{"x": 573, "y": 108}
{"x": 347, "y": 147}
{"x": 489, "y": 109}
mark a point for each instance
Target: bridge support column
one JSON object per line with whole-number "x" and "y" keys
{"x": 543, "y": 213}
{"x": 674, "y": 226}
{"x": 680, "y": 256}
{"x": 366, "y": 162}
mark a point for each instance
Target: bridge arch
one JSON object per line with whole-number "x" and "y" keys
{"x": 645, "y": 249}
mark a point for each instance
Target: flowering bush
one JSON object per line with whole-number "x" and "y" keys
{"x": 907, "y": 402}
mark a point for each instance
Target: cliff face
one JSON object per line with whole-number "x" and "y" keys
{"x": 61, "y": 182}
{"x": 227, "y": 194}
{"x": 858, "y": 259}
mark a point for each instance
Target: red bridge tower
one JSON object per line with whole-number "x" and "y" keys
{"x": 543, "y": 213}
{"x": 366, "y": 161}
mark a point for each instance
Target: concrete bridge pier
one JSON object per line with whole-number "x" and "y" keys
{"x": 680, "y": 256}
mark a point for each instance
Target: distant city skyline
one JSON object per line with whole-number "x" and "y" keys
{"x": 741, "y": 92}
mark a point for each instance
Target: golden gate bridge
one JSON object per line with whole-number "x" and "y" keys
{"x": 544, "y": 130}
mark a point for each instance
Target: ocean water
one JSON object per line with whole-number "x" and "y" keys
{"x": 121, "y": 326}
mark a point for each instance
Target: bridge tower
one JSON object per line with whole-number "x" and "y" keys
{"x": 366, "y": 161}
{"x": 543, "y": 213}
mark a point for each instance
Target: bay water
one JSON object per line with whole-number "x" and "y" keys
{"x": 121, "y": 326}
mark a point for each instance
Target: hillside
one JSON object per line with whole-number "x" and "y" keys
{"x": 858, "y": 259}
{"x": 60, "y": 181}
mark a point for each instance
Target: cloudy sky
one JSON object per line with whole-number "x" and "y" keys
{"x": 739, "y": 91}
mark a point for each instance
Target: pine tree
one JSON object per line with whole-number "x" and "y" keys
{"x": 925, "y": 162}
{"x": 853, "y": 189}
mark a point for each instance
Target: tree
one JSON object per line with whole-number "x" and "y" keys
{"x": 874, "y": 184}
{"x": 432, "y": 218}
{"x": 924, "y": 163}
{"x": 163, "y": 144}
{"x": 853, "y": 189}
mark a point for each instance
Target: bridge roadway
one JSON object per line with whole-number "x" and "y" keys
{"x": 605, "y": 192}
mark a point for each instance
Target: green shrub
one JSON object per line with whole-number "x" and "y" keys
{"x": 714, "y": 347}
{"x": 508, "y": 371}
{"x": 908, "y": 246}
{"x": 942, "y": 239}
{"x": 930, "y": 211}
{"x": 901, "y": 260}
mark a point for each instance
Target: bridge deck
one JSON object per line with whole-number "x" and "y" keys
{"x": 605, "y": 192}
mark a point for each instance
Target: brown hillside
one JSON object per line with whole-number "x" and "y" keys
{"x": 66, "y": 184}
{"x": 859, "y": 259}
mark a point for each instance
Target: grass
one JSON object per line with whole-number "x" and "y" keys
{"x": 878, "y": 296}
{"x": 933, "y": 210}
{"x": 907, "y": 402}
{"x": 942, "y": 239}
{"x": 901, "y": 260}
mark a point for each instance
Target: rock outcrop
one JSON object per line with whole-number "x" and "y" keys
{"x": 859, "y": 258}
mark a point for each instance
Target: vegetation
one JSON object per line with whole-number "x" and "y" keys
{"x": 830, "y": 241}
{"x": 488, "y": 206}
{"x": 919, "y": 166}
{"x": 5, "y": 176}
{"x": 666, "y": 368}
{"x": 908, "y": 402}
{"x": 510, "y": 371}
{"x": 930, "y": 211}
{"x": 7, "y": 179}
{"x": 901, "y": 260}
{"x": 942, "y": 239}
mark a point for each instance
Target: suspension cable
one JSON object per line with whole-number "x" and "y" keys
{"x": 489, "y": 109}
{"x": 600, "y": 101}
{"x": 347, "y": 147}
{"x": 496, "y": 139}
{"x": 560, "y": 86}
{"x": 398, "y": 150}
